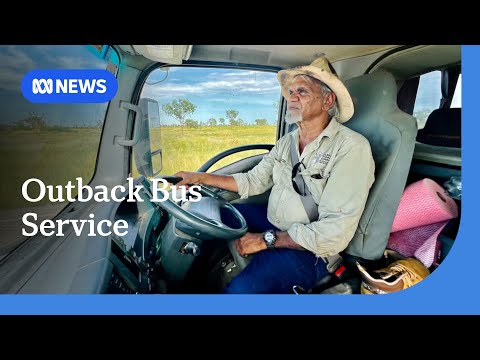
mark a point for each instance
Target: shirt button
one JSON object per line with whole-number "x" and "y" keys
{"x": 282, "y": 202}
{"x": 278, "y": 221}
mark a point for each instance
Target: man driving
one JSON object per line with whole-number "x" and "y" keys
{"x": 319, "y": 174}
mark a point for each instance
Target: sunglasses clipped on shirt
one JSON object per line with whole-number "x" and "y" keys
{"x": 294, "y": 174}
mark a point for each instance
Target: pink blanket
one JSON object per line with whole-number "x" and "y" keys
{"x": 423, "y": 212}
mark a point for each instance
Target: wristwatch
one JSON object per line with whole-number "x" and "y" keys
{"x": 270, "y": 237}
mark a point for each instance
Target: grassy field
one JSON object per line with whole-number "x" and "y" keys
{"x": 192, "y": 149}
{"x": 58, "y": 155}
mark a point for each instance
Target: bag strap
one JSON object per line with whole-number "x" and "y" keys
{"x": 335, "y": 261}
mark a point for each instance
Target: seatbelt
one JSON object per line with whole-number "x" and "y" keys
{"x": 308, "y": 203}
{"x": 333, "y": 262}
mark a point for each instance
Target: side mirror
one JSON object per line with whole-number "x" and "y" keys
{"x": 148, "y": 163}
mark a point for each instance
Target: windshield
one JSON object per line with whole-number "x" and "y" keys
{"x": 207, "y": 110}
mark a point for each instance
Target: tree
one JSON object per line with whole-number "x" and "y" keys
{"x": 212, "y": 122}
{"x": 190, "y": 123}
{"x": 179, "y": 109}
{"x": 222, "y": 121}
{"x": 33, "y": 121}
{"x": 241, "y": 122}
{"x": 261, "y": 122}
{"x": 421, "y": 116}
{"x": 100, "y": 113}
{"x": 232, "y": 116}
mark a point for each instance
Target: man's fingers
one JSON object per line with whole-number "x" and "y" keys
{"x": 185, "y": 179}
{"x": 180, "y": 174}
{"x": 181, "y": 183}
{"x": 238, "y": 247}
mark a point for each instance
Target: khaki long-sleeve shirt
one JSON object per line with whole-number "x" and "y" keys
{"x": 343, "y": 159}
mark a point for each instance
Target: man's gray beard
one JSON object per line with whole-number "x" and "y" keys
{"x": 293, "y": 118}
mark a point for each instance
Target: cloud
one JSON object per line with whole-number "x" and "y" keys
{"x": 15, "y": 57}
{"x": 250, "y": 100}
{"x": 250, "y": 86}
{"x": 14, "y": 64}
{"x": 266, "y": 89}
{"x": 70, "y": 62}
{"x": 239, "y": 74}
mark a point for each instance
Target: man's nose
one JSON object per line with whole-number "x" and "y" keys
{"x": 293, "y": 97}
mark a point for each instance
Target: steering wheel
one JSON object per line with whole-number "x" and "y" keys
{"x": 214, "y": 228}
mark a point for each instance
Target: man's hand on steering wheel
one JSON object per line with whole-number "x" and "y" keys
{"x": 190, "y": 178}
{"x": 198, "y": 224}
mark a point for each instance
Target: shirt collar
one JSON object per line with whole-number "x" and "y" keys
{"x": 330, "y": 131}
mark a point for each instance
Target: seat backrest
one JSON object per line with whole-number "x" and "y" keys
{"x": 442, "y": 128}
{"x": 391, "y": 133}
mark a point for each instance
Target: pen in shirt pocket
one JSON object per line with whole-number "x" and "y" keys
{"x": 321, "y": 175}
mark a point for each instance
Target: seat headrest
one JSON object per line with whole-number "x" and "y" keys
{"x": 373, "y": 92}
{"x": 442, "y": 128}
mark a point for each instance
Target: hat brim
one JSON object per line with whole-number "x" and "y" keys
{"x": 344, "y": 100}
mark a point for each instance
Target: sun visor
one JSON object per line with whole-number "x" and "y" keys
{"x": 169, "y": 54}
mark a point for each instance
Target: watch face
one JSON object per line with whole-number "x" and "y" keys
{"x": 269, "y": 237}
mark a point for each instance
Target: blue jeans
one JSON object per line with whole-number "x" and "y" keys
{"x": 274, "y": 271}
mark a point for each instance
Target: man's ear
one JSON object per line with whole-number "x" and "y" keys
{"x": 329, "y": 100}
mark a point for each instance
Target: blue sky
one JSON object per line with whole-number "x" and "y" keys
{"x": 253, "y": 94}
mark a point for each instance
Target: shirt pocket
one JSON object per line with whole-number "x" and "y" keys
{"x": 316, "y": 177}
{"x": 316, "y": 187}
{"x": 282, "y": 171}
{"x": 316, "y": 172}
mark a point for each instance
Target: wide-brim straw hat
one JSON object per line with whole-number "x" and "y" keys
{"x": 320, "y": 69}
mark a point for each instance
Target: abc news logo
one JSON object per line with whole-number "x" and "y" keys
{"x": 69, "y": 86}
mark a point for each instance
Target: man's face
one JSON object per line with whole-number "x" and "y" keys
{"x": 305, "y": 102}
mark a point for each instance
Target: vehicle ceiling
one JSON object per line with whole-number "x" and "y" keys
{"x": 411, "y": 61}
{"x": 282, "y": 56}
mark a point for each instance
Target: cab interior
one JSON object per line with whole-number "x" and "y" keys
{"x": 181, "y": 246}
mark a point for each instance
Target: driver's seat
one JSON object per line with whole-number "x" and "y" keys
{"x": 392, "y": 134}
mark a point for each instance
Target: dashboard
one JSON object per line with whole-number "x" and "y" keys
{"x": 161, "y": 253}
{"x": 134, "y": 255}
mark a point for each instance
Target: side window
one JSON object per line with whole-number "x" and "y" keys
{"x": 204, "y": 111}
{"x": 457, "y": 95}
{"x": 428, "y": 98}
{"x": 55, "y": 143}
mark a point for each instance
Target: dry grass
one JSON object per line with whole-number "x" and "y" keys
{"x": 60, "y": 155}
